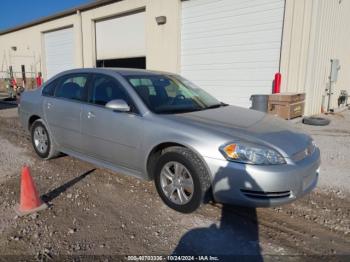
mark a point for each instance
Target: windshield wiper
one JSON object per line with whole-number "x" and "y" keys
{"x": 216, "y": 106}
{"x": 178, "y": 111}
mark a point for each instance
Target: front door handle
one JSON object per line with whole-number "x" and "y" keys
{"x": 49, "y": 105}
{"x": 90, "y": 115}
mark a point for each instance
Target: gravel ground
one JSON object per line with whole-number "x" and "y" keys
{"x": 11, "y": 157}
{"x": 334, "y": 141}
{"x": 94, "y": 211}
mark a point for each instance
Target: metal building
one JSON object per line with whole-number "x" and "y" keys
{"x": 232, "y": 48}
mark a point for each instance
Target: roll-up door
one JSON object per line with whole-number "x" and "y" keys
{"x": 59, "y": 51}
{"x": 231, "y": 48}
{"x": 121, "y": 37}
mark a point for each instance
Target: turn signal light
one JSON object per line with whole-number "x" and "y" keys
{"x": 230, "y": 151}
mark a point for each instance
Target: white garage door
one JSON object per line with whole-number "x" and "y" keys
{"x": 121, "y": 37}
{"x": 231, "y": 48}
{"x": 59, "y": 51}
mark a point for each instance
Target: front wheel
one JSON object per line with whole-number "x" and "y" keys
{"x": 181, "y": 179}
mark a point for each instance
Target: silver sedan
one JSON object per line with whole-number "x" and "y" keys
{"x": 161, "y": 127}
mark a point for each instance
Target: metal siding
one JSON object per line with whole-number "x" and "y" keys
{"x": 231, "y": 48}
{"x": 308, "y": 47}
{"x": 59, "y": 51}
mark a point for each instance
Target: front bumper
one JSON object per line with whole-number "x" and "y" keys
{"x": 263, "y": 186}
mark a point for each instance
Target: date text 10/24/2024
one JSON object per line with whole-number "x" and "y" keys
{"x": 172, "y": 258}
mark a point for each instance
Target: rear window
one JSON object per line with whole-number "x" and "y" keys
{"x": 49, "y": 89}
{"x": 72, "y": 87}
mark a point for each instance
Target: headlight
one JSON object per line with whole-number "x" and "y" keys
{"x": 251, "y": 154}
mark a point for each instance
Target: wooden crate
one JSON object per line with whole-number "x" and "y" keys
{"x": 2, "y": 85}
{"x": 287, "y": 110}
{"x": 287, "y": 105}
{"x": 287, "y": 97}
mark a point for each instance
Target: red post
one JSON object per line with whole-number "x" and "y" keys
{"x": 39, "y": 80}
{"x": 277, "y": 83}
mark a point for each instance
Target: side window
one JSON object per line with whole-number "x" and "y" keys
{"x": 72, "y": 87}
{"x": 105, "y": 89}
{"x": 49, "y": 90}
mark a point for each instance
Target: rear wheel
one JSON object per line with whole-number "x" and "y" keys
{"x": 181, "y": 179}
{"x": 41, "y": 140}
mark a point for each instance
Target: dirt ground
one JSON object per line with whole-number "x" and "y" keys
{"x": 96, "y": 212}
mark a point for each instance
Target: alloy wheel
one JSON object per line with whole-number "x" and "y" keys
{"x": 177, "y": 183}
{"x": 41, "y": 140}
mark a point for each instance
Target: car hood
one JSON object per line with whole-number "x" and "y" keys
{"x": 249, "y": 125}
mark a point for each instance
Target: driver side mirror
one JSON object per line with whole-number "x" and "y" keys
{"x": 118, "y": 105}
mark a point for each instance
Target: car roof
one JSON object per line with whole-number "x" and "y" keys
{"x": 121, "y": 71}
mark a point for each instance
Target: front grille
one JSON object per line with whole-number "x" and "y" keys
{"x": 265, "y": 195}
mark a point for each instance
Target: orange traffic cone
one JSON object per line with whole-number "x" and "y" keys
{"x": 30, "y": 201}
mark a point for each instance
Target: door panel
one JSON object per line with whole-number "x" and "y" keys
{"x": 64, "y": 118}
{"x": 111, "y": 136}
{"x": 63, "y": 109}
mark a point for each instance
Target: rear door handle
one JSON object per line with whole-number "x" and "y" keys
{"x": 90, "y": 115}
{"x": 49, "y": 105}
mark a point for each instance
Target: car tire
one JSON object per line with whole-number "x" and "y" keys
{"x": 41, "y": 141}
{"x": 316, "y": 121}
{"x": 192, "y": 166}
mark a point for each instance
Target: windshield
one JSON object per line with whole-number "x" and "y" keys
{"x": 165, "y": 94}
